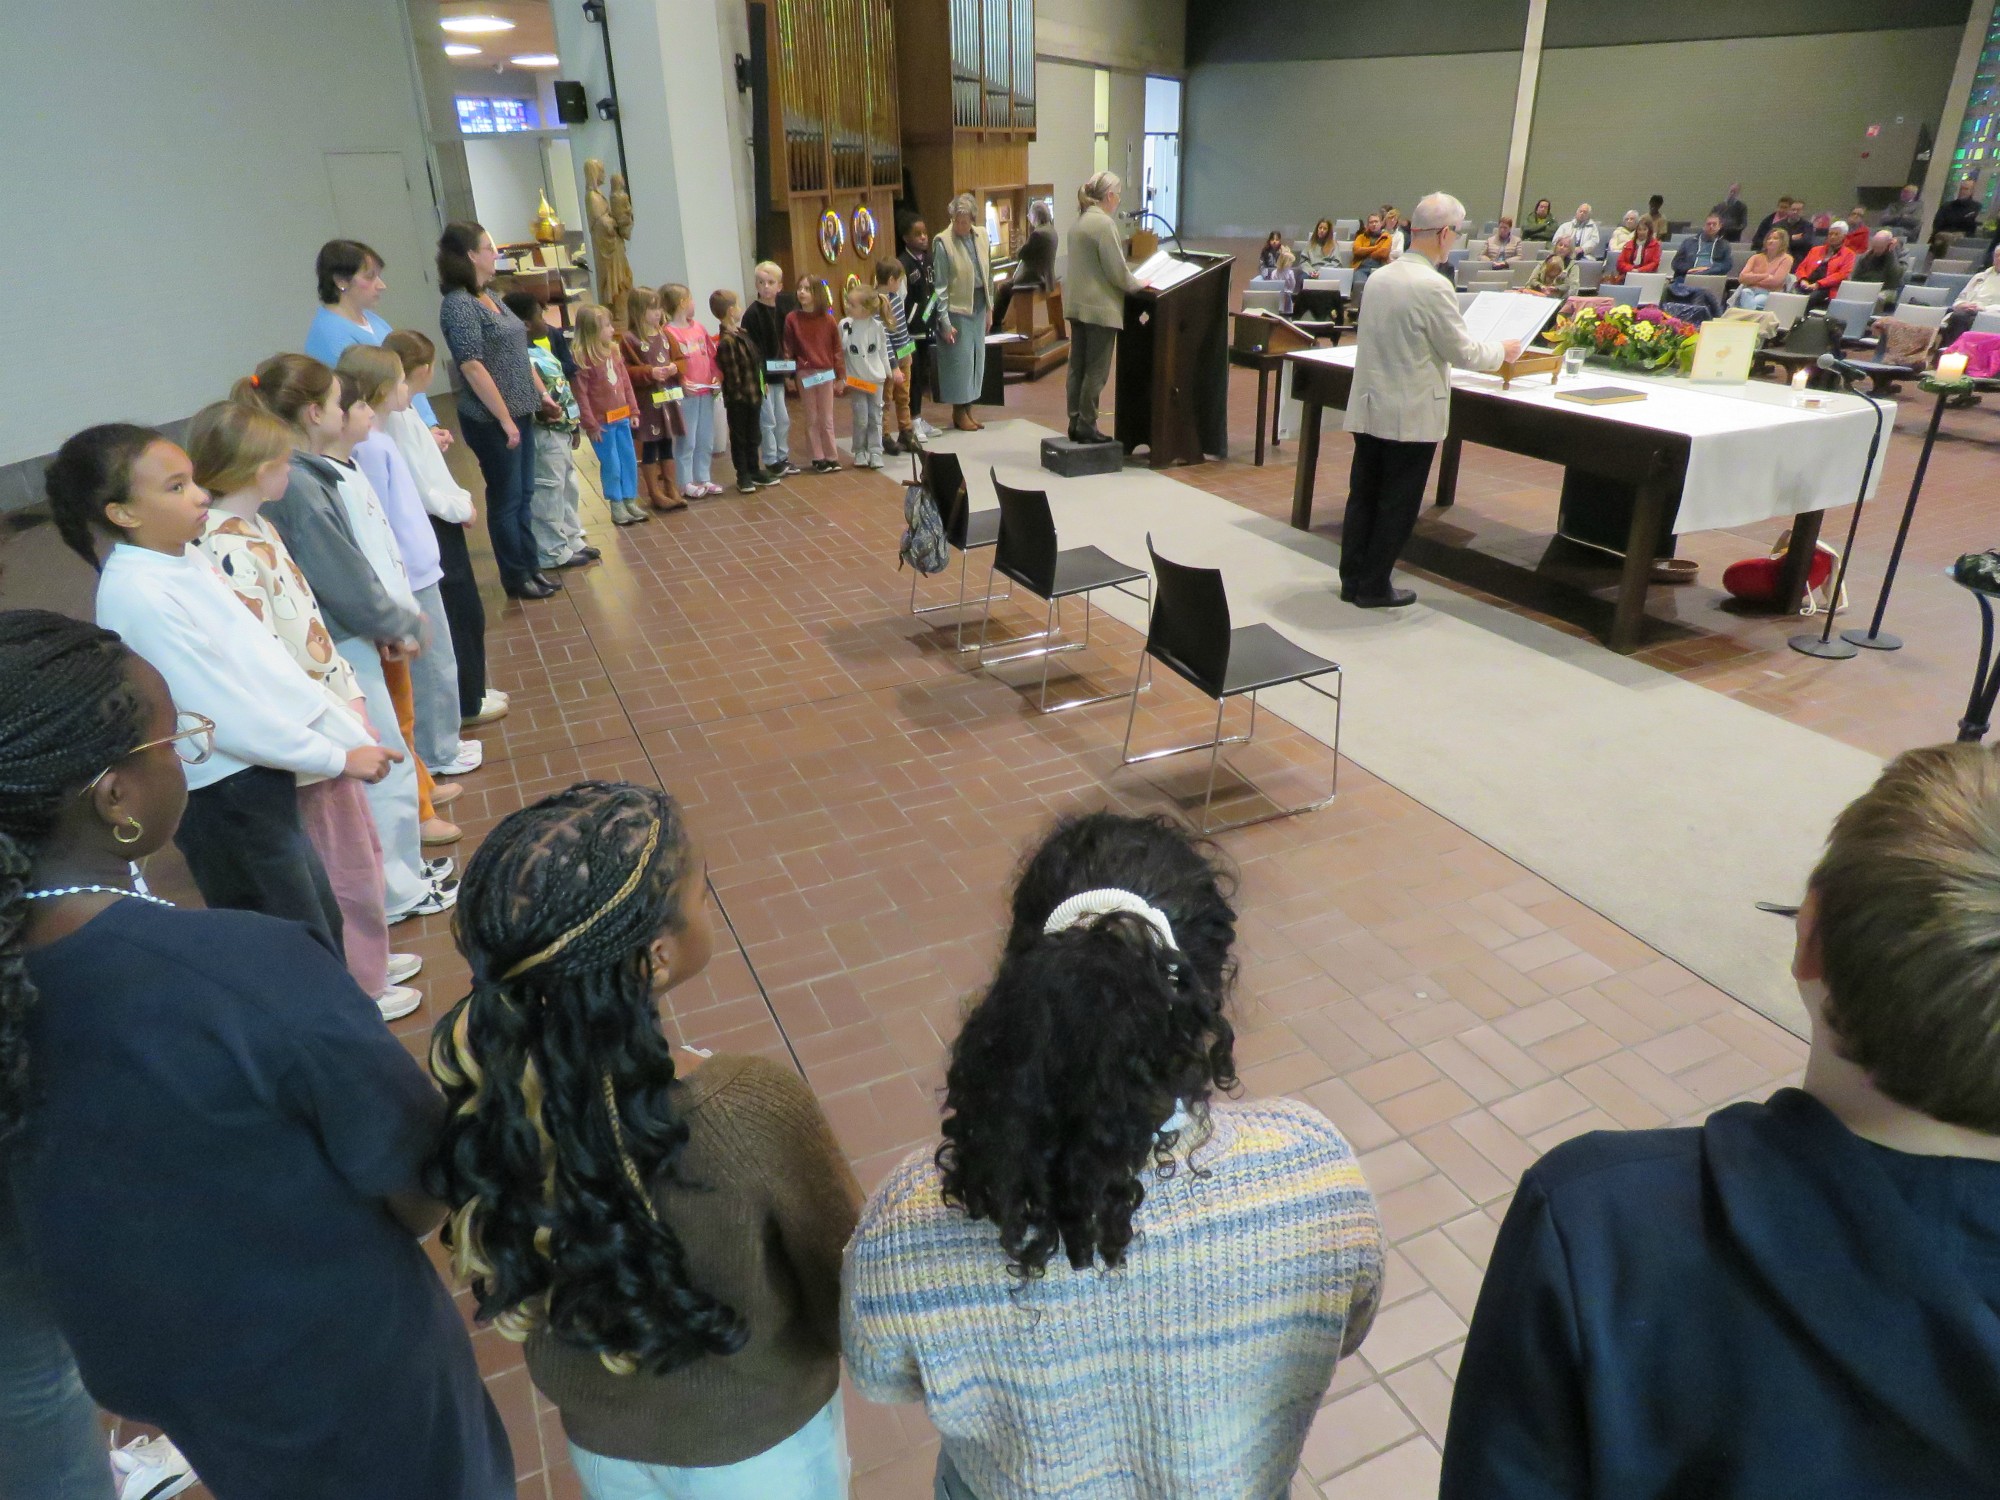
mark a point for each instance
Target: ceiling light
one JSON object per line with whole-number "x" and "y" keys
{"x": 475, "y": 25}
{"x": 461, "y": 49}
{"x": 536, "y": 60}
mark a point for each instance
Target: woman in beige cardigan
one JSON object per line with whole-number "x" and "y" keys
{"x": 1094, "y": 301}
{"x": 962, "y": 272}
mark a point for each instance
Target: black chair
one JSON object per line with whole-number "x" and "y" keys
{"x": 1191, "y": 636}
{"x": 1027, "y": 553}
{"x": 964, "y": 528}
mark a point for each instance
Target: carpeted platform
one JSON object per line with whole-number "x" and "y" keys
{"x": 1665, "y": 807}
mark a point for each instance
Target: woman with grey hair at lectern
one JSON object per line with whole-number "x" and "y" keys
{"x": 1094, "y": 301}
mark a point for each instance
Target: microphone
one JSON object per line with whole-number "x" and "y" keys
{"x": 1839, "y": 366}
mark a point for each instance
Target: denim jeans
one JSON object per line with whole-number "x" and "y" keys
{"x": 510, "y": 489}
{"x": 774, "y": 424}
{"x": 50, "y": 1448}
{"x": 553, "y": 517}
{"x": 694, "y": 449}
{"x": 617, "y": 464}
{"x": 393, "y": 799}
{"x": 434, "y": 680}
{"x": 811, "y": 1464}
{"x": 867, "y": 409}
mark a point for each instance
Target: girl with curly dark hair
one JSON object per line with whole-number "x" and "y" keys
{"x": 667, "y": 1246}
{"x": 215, "y": 1141}
{"x": 1105, "y": 1281}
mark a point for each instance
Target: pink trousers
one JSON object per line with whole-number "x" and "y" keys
{"x": 337, "y": 820}
{"x": 818, "y": 402}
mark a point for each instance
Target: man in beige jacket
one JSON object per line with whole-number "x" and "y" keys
{"x": 1410, "y": 336}
{"x": 1094, "y": 301}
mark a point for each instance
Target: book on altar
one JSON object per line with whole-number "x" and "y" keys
{"x": 1723, "y": 351}
{"x": 1601, "y": 395}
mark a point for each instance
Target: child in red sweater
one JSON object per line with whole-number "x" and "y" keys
{"x": 812, "y": 338}
{"x": 606, "y": 406}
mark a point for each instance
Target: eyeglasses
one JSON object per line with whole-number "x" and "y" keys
{"x": 193, "y": 740}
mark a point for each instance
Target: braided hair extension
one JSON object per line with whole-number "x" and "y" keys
{"x": 67, "y": 710}
{"x": 557, "y": 1076}
{"x": 1086, "y": 1041}
{"x": 90, "y": 471}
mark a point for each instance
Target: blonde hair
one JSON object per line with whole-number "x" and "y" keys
{"x": 367, "y": 373}
{"x": 869, "y": 300}
{"x": 596, "y": 338}
{"x": 285, "y": 385}
{"x": 1100, "y": 187}
{"x": 771, "y": 269}
{"x": 230, "y": 441}
{"x": 674, "y": 297}
{"x": 638, "y": 302}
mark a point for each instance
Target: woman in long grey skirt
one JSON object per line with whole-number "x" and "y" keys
{"x": 962, "y": 270}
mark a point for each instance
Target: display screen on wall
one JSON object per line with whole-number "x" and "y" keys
{"x": 478, "y": 116}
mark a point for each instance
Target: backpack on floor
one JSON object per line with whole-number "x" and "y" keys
{"x": 923, "y": 545}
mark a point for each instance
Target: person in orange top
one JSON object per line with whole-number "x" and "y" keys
{"x": 1768, "y": 271}
{"x": 1374, "y": 248}
{"x": 1641, "y": 252}
{"x": 1826, "y": 266}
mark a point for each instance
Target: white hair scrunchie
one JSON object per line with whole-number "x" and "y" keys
{"x": 1087, "y": 904}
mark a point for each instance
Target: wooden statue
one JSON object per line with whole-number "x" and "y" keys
{"x": 607, "y": 237}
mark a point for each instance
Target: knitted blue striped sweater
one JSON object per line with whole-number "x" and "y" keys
{"x": 1190, "y": 1373}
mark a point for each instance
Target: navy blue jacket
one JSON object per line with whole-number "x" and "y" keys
{"x": 1690, "y": 260}
{"x": 1766, "y": 1307}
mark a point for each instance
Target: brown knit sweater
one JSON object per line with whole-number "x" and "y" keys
{"x": 764, "y": 1230}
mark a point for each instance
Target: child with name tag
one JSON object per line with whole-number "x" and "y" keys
{"x": 889, "y": 282}
{"x": 864, "y": 348}
{"x": 764, "y": 321}
{"x": 742, "y": 391}
{"x": 608, "y": 409}
{"x": 555, "y": 514}
{"x": 812, "y": 340}
{"x": 693, "y": 349}
{"x": 656, "y": 387}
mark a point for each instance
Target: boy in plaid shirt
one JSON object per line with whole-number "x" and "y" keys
{"x": 555, "y": 515}
{"x": 902, "y": 354}
{"x": 742, "y": 370}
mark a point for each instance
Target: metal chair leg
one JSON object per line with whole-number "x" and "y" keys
{"x": 1214, "y": 746}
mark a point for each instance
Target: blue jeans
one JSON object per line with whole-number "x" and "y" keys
{"x": 510, "y": 488}
{"x": 617, "y": 464}
{"x": 811, "y": 1464}
{"x": 694, "y": 449}
{"x": 50, "y": 1448}
{"x": 774, "y": 426}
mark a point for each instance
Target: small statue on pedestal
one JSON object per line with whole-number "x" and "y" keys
{"x": 607, "y": 237}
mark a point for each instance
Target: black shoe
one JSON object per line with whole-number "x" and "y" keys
{"x": 890, "y": 446}
{"x": 1076, "y": 433}
{"x": 766, "y": 477}
{"x": 1394, "y": 599}
{"x": 577, "y": 559}
{"x": 1347, "y": 593}
{"x": 746, "y": 486}
{"x": 825, "y": 466}
{"x": 534, "y": 587}
{"x": 548, "y": 582}
{"x": 589, "y": 554}
{"x": 1091, "y": 435}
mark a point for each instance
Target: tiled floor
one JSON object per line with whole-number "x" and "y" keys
{"x": 863, "y": 796}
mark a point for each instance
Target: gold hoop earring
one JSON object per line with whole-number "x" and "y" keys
{"x": 138, "y": 830}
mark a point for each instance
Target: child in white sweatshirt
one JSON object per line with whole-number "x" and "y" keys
{"x": 130, "y": 488}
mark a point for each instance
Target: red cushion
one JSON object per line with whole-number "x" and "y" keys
{"x": 1756, "y": 578}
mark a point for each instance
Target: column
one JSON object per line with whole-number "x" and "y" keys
{"x": 1524, "y": 112}
{"x": 1937, "y": 176}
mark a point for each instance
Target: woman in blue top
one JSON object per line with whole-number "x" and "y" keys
{"x": 212, "y": 1140}
{"x": 350, "y": 284}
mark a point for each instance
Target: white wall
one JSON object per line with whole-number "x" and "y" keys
{"x": 1139, "y": 35}
{"x": 164, "y": 175}
{"x": 1061, "y": 151}
{"x": 506, "y": 172}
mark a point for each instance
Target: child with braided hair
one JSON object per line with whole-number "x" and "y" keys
{"x": 220, "y": 1133}
{"x": 668, "y": 1246}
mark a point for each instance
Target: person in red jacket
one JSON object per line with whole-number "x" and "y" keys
{"x": 812, "y": 339}
{"x": 1826, "y": 266}
{"x": 1641, "y": 253}
{"x": 608, "y": 410}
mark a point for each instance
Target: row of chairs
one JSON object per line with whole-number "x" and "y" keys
{"x": 1189, "y": 630}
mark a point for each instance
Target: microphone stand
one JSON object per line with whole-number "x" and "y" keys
{"x": 1824, "y": 645}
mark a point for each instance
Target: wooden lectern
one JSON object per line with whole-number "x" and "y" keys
{"x": 1173, "y": 367}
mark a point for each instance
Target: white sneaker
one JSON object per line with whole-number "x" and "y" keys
{"x": 150, "y": 1469}
{"x": 495, "y": 699}
{"x": 925, "y": 430}
{"x": 471, "y": 756}
{"x": 404, "y": 966}
{"x": 398, "y": 1001}
{"x": 438, "y": 869}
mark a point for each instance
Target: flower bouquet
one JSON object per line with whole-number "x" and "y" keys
{"x": 1643, "y": 339}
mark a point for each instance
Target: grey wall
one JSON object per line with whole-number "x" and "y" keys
{"x": 1276, "y": 145}
{"x": 1257, "y": 31}
{"x": 166, "y": 181}
{"x": 1834, "y": 87}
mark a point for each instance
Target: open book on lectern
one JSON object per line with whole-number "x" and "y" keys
{"x": 1495, "y": 317}
{"x": 1160, "y": 270}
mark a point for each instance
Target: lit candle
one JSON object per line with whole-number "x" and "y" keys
{"x": 1951, "y": 367}
{"x": 1799, "y": 380}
